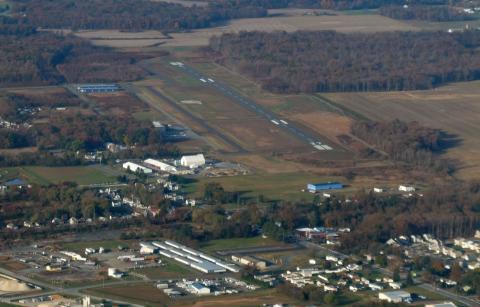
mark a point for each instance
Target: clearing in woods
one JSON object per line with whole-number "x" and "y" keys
{"x": 453, "y": 108}
{"x": 293, "y": 22}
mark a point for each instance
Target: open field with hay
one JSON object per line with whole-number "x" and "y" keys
{"x": 120, "y": 39}
{"x": 290, "y": 23}
{"x": 453, "y": 108}
{"x": 289, "y": 20}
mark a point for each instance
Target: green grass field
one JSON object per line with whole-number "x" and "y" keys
{"x": 285, "y": 186}
{"x": 234, "y": 243}
{"x": 43, "y": 175}
{"x": 171, "y": 269}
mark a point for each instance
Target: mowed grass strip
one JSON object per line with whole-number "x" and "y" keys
{"x": 138, "y": 293}
{"x": 235, "y": 243}
{"x": 82, "y": 175}
{"x": 285, "y": 186}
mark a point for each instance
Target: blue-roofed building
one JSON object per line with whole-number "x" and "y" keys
{"x": 317, "y": 187}
{"x": 15, "y": 183}
{"x": 97, "y": 88}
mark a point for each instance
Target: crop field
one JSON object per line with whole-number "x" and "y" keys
{"x": 48, "y": 175}
{"x": 290, "y": 23}
{"x": 453, "y": 108}
{"x": 119, "y": 39}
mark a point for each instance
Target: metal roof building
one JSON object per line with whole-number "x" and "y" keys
{"x": 316, "y": 187}
{"x": 193, "y": 258}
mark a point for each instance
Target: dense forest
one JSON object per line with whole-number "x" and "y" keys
{"x": 130, "y": 15}
{"x": 31, "y": 57}
{"x": 326, "y": 61}
{"x": 410, "y": 142}
{"x": 424, "y": 12}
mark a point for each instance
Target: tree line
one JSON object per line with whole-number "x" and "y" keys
{"x": 323, "y": 4}
{"x": 130, "y": 15}
{"x": 425, "y": 12}
{"x": 327, "y": 61}
{"x": 31, "y": 57}
{"x": 410, "y": 142}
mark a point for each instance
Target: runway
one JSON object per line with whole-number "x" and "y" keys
{"x": 253, "y": 106}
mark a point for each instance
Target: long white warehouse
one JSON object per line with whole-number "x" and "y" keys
{"x": 161, "y": 165}
{"x": 193, "y": 258}
{"x": 134, "y": 167}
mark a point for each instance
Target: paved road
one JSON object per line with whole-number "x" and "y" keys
{"x": 460, "y": 298}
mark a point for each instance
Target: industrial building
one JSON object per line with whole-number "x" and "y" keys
{"x": 134, "y": 167}
{"x": 316, "y": 187}
{"x": 406, "y": 188}
{"x": 97, "y": 88}
{"x": 161, "y": 166}
{"x": 395, "y": 296}
{"x": 250, "y": 261}
{"x": 193, "y": 161}
{"x": 195, "y": 259}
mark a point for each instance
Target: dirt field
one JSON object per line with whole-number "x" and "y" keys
{"x": 291, "y": 23}
{"x": 289, "y": 20}
{"x": 119, "y": 104}
{"x": 454, "y": 108}
{"x": 119, "y": 39}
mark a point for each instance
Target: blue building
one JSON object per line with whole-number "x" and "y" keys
{"x": 317, "y": 187}
{"x": 97, "y": 88}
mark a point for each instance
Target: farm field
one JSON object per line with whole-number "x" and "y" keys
{"x": 120, "y": 39}
{"x": 453, "y": 108}
{"x": 289, "y": 20}
{"x": 44, "y": 175}
{"x": 293, "y": 22}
